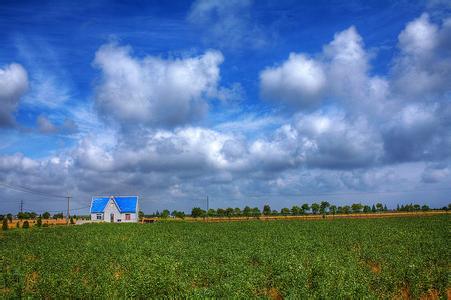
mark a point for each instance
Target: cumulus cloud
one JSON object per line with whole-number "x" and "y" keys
{"x": 13, "y": 84}
{"x": 152, "y": 90}
{"x": 227, "y": 23}
{"x": 300, "y": 81}
{"x": 423, "y": 66}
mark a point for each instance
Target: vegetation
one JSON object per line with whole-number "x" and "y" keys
{"x": 340, "y": 258}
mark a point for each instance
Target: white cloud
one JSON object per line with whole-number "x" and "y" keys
{"x": 300, "y": 81}
{"x": 153, "y": 90}
{"x": 13, "y": 84}
{"x": 227, "y": 24}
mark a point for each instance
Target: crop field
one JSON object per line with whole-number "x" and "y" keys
{"x": 340, "y": 258}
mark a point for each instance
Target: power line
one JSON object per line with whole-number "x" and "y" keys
{"x": 27, "y": 190}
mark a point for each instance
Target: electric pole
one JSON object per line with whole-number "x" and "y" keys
{"x": 208, "y": 205}
{"x": 68, "y": 207}
{"x": 21, "y": 206}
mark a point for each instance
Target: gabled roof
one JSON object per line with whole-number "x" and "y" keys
{"x": 125, "y": 204}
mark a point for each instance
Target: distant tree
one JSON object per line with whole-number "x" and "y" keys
{"x": 449, "y": 206}
{"x": 237, "y": 211}
{"x": 385, "y": 208}
{"x": 366, "y": 209}
{"x": 140, "y": 215}
{"x": 9, "y": 217}
{"x": 425, "y": 208}
{"x": 356, "y": 207}
{"x": 346, "y": 209}
{"x": 25, "y": 225}
{"x": 211, "y": 212}
{"x": 266, "y": 210}
{"x": 274, "y": 213}
{"x": 39, "y": 221}
{"x": 180, "y": 215}
{"x": 5, "y": 224}
{"x": 305, "y": 207}
{"x": 315, "y": 208}
{"x": 296, "y": 210}
{"x": 197, "y": 212}
{"x": 221, "y": 212}
{"x": 416, "y": 207}
{"x": 333, "y": 209}
{"x": 164, "y": 214}
{"x": 247, "y": 211}
{"x": 373, "y": 209}
{"x": 46, "y": 215}
{"x": 72, "y": 220}
{"x": 379, "y": 206}
{"x": 285, "y": 211}
{"x": 58, "y": 216}
{"x": 229, "y": 212}
{"x": 33, "y": 215}
{"x": 397, "y": 208}
{"x": 324, "y": 205}
{"x": 256, "y": 212}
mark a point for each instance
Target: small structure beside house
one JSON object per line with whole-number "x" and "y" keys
{"x": 115, "y": 209}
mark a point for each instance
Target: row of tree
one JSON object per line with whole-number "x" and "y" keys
{"x": 323, "y": 208}
{"x": 32, "y": 216}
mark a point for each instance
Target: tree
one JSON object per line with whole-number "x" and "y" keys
{"x": 385, "y": 208}
{"x": 5, "y": 224}
{"x": 140, "y": 215}
{"x": 26, "y": 224}
{"x": 305, "y": 207}
{"x": 72, "y": 221}
{"x": 33, "y": 215}
{"x": 285, "y": 211}
{"x": 346, "y": 209}
{"x": 366, "y": 209}
{"x": 340, "y": 210}
{"x": 229, "y": 212}
{"x": 315, "y": 208}
{"x": 9, "y": 217}
{"x": 256, "y": 212}
{"x": 333, "y": 209}
{"x": 274, "y": 213}
{"x": 237, "y": 211}
{"x": 266, "y": 210}
{"x": 39, "y": 221}
{"x": 373, "y": 209}
{"x": 197, "y": 212}
{"x": 46, "y": 215}
{"x": 323, "y": 207}
{"x": 356, "y": 207}
{"x": 425, "y": 208}
{"x": 416, "y": 207}
{"x": 211, "y": 212}
{"x": 164, "y": 214}
{"x": 247, "y": 211}
{"x": 220, "y": 212}
{"x": 379, "y": 206}
{"x": 295, "y": 210}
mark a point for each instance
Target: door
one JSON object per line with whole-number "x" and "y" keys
{"x": 112, "y": 218}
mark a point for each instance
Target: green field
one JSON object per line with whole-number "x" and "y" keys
{"x": 376, "y": 258}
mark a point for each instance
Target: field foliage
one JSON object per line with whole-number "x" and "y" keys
{"x": 295, "y": 259}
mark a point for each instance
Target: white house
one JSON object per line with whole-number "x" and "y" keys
{"x": 115, "y": 209}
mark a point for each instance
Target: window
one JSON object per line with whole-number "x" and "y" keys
{"x": 127, "y": 217}
{"x": 99, "y": 216}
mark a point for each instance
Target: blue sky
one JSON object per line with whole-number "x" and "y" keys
{"x": 250, "y": 102}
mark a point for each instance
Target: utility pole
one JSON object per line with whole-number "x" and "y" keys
{"x": 208, "y": 205}
{"x": 21, "y": 206}
{"x": 68, "y": 207}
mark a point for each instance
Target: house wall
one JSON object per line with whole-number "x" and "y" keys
{"x": 111, "y": 208}
{"x": 94, "y": 218}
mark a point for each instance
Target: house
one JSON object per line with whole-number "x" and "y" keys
{"x": 115, "y": 209}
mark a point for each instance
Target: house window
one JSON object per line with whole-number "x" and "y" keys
{"x": 127, "y": 217}
{"x": 99, "y": 216}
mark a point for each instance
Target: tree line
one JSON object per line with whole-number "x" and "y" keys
{"x": 323, "y": 208}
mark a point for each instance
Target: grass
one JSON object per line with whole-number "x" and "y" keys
{"x": 342, "y": 258}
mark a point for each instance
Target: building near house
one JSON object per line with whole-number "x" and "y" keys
{"x": 115, "y": 209}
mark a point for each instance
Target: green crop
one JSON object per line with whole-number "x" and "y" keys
{"x": 347, "y": 258}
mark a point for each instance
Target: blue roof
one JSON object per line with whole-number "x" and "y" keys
{"x": 126, "y": 204}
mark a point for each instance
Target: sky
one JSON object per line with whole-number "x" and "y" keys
{"x": 246, "y": 102}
